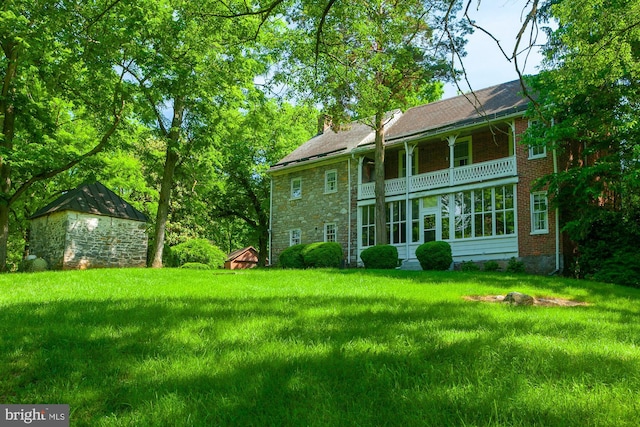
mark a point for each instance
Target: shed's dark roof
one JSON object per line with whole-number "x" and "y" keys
{"x": 485, "y": 104}
{"x": 94, "y": 199}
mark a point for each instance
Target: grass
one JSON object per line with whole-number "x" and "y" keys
{"x": 340, "y": 348}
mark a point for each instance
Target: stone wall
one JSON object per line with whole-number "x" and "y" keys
{"x": 314, "y": 208}
{"x": 47, "y": 238}
{"x": 73, "y": 240}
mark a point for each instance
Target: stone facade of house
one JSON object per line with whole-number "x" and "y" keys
{"x": 73, "y": 240}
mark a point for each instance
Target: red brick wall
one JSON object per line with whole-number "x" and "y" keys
{"x": 487, "y": 145}
{"x": 529, "y": 170}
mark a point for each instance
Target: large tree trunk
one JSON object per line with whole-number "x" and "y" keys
{"x": 171, "y": 160}
{"x": 380, "y": 209}
{"x": 8, "y": 114}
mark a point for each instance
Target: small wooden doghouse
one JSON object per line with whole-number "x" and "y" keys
{"x": 242, "y": 259}
{"x": 89, "y": 227}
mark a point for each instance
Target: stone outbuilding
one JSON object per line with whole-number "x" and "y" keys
{"x": 89, "y": 227}
{"x": 242, "y": 259}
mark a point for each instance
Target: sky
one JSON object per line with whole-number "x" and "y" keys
{"x": 485, "y": 64}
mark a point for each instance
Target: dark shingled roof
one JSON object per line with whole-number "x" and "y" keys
{"x": 93, "y": 199}
{"x": 464, "y": 110}
{"x": 489, "y": 103}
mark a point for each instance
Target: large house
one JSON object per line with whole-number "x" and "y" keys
{"x": 454, "y": 171}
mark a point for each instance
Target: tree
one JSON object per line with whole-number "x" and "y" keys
{"x": 61, "y": 101}
{"x": 260, "y": 134}
{"x": 188, "y": 66}
{"x": 370, "y": 57}
{"x": 587, "y": 107}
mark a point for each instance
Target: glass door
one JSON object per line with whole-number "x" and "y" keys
{"x": 429, "y": 221}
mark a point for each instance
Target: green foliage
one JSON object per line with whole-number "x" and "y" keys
{"x": 434, "y": 255}
{"x": 292, "y": 257}
{"x": 469, "y": 266}
{"x": 322, "y": 255}
{"x": 491, "y": 266}
{"x": 197, "y": 251}
{"x": 514, "y": 266}
{"x": 607, "y": 248}
{"x": 380, "y": 257}
{"x": 34, "y": 265}
{"x": 195, "y": 266}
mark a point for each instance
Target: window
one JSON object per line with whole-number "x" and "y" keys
{"x": 402, "y": 170}
{"x": 462, "y": 152}
{"x": 536, "y": 151}
{"x": 397, "y": 222}
{"x": 295, "y": 237}
{"x": 478, "y": 213}
{"x": 330, "y": 234}
{"x": 331, "y": 181}
{"x": 296, "y": 188}
{"x": 368, "y": 230}
{"x": 415, "y": 220}
{"x": 539, "y": 213}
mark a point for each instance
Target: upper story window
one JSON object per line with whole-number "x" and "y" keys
{"x": 462, "y": 152}
{"x": 539, "y": 213}
{"x": 296, "y": 188}
{"x": 536, "y": 151}
{"x": 402, "y": 163}
{"x": 331, "y": 181}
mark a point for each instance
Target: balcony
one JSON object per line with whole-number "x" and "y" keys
{"x": 477, "y": 172}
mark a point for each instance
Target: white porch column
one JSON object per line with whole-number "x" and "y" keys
{"x": 360, "y": 162}
{"x": 408, "y": 149}
{"x": 451, "y": 139}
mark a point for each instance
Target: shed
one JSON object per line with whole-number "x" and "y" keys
{"x": 242, "y": 259}
{"x": 89, "y": 227}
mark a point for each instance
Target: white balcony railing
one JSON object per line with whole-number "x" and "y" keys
{"x": 477, "y": 172}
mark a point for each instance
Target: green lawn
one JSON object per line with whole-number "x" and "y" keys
{"x": 320, "y": 348}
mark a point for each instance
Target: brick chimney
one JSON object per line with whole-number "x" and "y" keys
{"x": 324, "y": 123}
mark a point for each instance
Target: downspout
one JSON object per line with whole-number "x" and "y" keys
{"x": 555, "y": 171}
{"x": 349, "y": 210}
{"x": 270, "y": 218}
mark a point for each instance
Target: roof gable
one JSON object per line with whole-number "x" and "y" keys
{"x": 94, "y": 199}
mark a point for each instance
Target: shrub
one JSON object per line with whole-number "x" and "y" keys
{"x": 434, "y": 255}
{"x": 322, "y": 255}
{"x": 380, "y": 257}
{"x": 491, "y": 266}
{"x": 197, "y": 251}
{"x": 34, "y": 265}
{"x": 196, "y": 266}
{"x": 469, "y": 266}
{"x": 515, "y": 266}
{"x": 623, "y": 268}
{"x": 292, "y": 257}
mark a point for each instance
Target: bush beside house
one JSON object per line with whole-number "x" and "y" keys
{"x": 380, "y": 257}
{"x": 196, "y": 251}
{"x": 434, "y": 255}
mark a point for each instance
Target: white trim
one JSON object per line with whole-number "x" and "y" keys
{"x": 328, "y": 190}
{"x": 534, "y": 230}
{"x": 291, "y": 243}
{"x": 293, "y": 196}
{"x": 335, "y": 231}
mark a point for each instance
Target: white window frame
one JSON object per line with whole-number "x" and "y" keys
{"x": 296, "y": 188}
{"x": 536, "y": 151}
{"x": 330, "y": 232}
{"x": 331, "y": 184}
{"x": 295, "y": 237}
{"x": 539, "y": 217}
{"x": 468, "y": 157}
{"x": 367, "y": 226}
